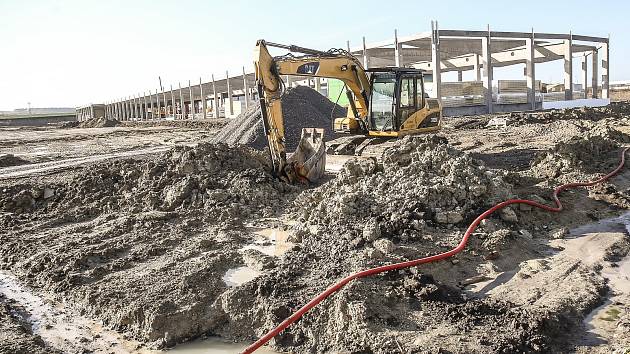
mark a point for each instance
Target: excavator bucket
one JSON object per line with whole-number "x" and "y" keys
{"x": 309, "y": 159}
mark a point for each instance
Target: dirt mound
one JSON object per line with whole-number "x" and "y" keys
{"x": 145, "y": 242}
{"x": 98, "y": 123}
{"x": 222, "y": 180}
{"x": 302, "y": 107}
{"x": 617, "y": 111}
{"x": 369, "y": 215}
{"x": 7, "y": 160}
{"x": 422, "y": 179}
{"x": 581, "y": 156}
{"x": 189, "y": 124}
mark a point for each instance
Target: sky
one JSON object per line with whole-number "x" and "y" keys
{"x": 69, "y": 53}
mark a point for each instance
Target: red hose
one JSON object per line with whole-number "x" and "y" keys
{"x": 365, "y": 273}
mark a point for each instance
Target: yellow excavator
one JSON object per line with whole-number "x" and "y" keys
{"x": 384, "y": 104}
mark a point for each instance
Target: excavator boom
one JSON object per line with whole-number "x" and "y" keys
{"x": 307, "y": 163}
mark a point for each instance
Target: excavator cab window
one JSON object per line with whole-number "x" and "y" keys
{"x": 382, "y": 102}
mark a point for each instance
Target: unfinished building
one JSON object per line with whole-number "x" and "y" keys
{"x": 459, "y": 51}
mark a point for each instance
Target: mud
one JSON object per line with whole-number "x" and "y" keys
{"x": 16, "y": 335}
{"x": 7, "y": 160}
{"x": 125, "y": 223}
{"x": 302, "y": 107}
{"x": 201, "y": 241}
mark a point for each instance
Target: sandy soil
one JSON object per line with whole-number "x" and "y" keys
{"x": 160, "y": 245}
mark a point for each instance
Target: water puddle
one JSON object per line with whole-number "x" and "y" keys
{"x": 601, "y": 322}
{"x": 240, "y": 275}
{"x": 271, "y": 241}
{"x": 60, "y": 327}
{"x": 63, "y": 329}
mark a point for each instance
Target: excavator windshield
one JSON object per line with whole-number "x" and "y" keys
{"x": 382, "y": 101}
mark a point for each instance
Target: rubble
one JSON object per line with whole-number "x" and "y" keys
{"x": 421, "y": 178}
{"x": 592, "y": 152}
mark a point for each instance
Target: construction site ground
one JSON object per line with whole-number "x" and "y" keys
{"x": 140, "y": 237}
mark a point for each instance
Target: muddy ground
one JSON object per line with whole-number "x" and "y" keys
{"x": 172, "y": 238}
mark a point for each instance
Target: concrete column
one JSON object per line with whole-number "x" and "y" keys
{"x": 318, "y": 84}
{"x": 568, "y": 68}
{"x": 181, "y": 101}
{"x": 245, "y": 89}
{"x": 145, "y": 115}
{"x": 192, "y": 100}
{"x": 139, "y": 105}
{"x": 150, "y": 116}
{"x": 126, "y": 109}
{"x": 460, "y": 76}
{"x": 530, "y": 69}
{"x": 585, "y": 75}
{"x": 204, "y": 102}
{"x": 594, "y": 77}
{"x": 436, "y": 64}
{"x": 172, "y": 103}
{"x": 348, "y": 46}
{"x": 366, "y": 61}
{"x": 134, "y": 111}
{"x": 397, "y": 50}
{"x": 139, "y": 100}
{"x": 289, "y": 80}
{"x": 164, "y": 102}
{"x": 230, "y": 98}
{"x": 606, "y": 69}
{"x": 486, "y": 62}
{"x": 157, "y": 100}
{"x": 215, "y": 99}
{"x": 477, "y": 67}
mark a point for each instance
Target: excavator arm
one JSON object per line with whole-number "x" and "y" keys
{"x": 307, "y": 162}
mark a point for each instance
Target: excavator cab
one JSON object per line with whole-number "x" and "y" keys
{"x": 398, "y": 105}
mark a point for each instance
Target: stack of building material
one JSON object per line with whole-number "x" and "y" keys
{"x": 515, "y": 91}
{"x": 460, "y": 94}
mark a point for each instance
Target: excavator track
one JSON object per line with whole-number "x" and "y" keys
{"x": 359, "y": 145}
{"x": 376, "y": 150}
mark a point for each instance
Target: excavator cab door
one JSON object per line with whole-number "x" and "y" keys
{"x": 407, "y": 104}
{"x": 382, "y": 107}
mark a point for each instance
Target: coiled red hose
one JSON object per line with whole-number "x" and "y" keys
{"x": 462, "y": 244}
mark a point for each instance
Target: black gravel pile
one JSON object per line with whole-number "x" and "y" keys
{"x": 302, "y": 107}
